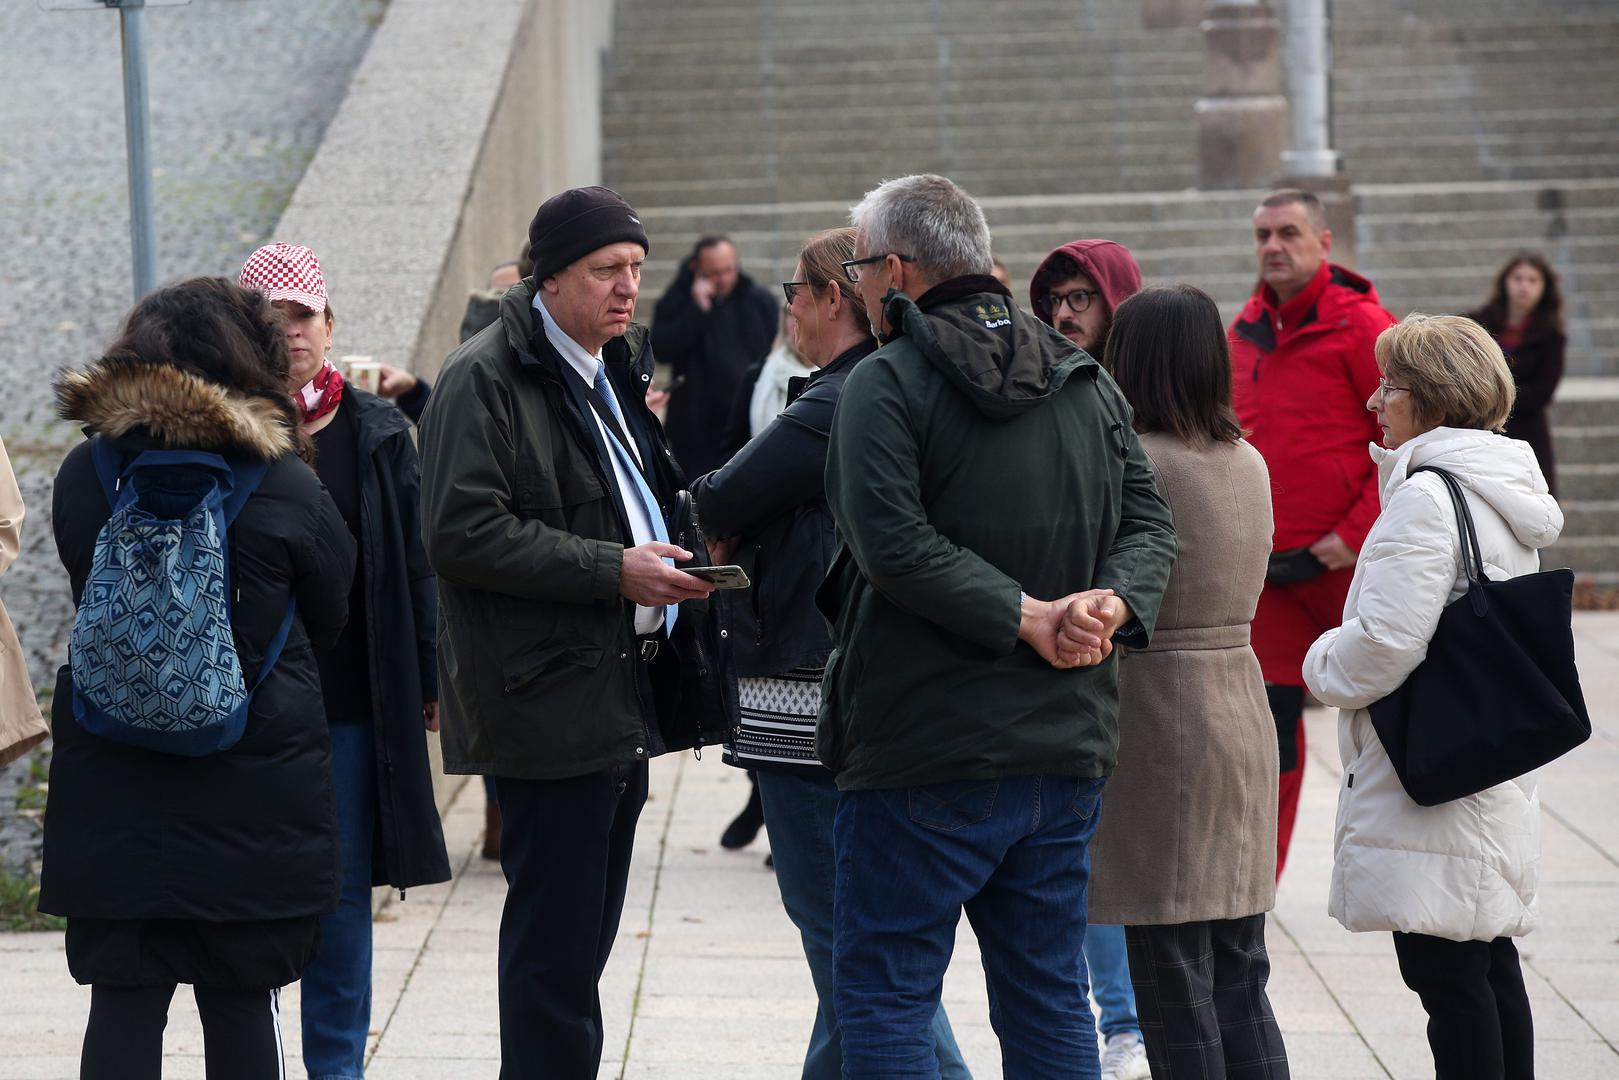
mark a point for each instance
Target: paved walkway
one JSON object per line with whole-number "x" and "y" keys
{"x": 707, "y": 980}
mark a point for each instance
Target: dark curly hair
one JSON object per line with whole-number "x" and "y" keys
{"x": 214, "y": 329}
{"x": 1548, "y": 314}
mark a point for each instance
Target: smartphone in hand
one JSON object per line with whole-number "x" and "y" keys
{"x": 722, "y": 577}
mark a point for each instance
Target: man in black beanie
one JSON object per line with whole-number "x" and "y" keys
{"x": 572, "y": 649}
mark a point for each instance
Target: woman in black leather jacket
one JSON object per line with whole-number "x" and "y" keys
{"x": 768, "y": 506}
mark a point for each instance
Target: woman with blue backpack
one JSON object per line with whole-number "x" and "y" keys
{"x": 190, "y": 830}
{"x": 379, "y": 679}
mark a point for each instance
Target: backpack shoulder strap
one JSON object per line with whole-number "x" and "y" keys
{"x": 246, "y": 476}
{"x": 109, "y": 464}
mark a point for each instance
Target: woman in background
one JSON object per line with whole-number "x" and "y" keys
{"x": 1185, "y": 856}
{"x": 379, "y": 680}
{"x": 1525, "y": 316}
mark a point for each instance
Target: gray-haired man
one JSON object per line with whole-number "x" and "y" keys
{"x": 979, "y": 464}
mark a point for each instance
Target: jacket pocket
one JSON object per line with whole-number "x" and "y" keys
{"x": 953, "y": 804}
{"x": 547, "y": 667}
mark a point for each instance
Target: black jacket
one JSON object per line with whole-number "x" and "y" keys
{"x": 978, "y": 455}
{"x": 401, "y": 620}
{"x": 525, "y": 530}
{"x": 250, "y": 833}
{"x": 1537, "y": 369}
{"x": 772, "y": 497}
{"x": 712, "y": 351}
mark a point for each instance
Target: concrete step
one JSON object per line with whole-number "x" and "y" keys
{"x": 1587, "y": 446}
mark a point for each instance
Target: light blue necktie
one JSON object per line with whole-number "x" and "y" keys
{"x": 660, "y": 531}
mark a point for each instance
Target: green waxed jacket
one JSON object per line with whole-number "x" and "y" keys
{"x": 978, "y": 455}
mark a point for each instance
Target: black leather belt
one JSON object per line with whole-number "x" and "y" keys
{"x": 647, "y": 648}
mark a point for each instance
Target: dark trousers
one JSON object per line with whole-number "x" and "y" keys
{"x": 565, "y": 850}
{"x": 241, "y": 1033}
{"x": 1200, "y": 996}
{"x": 1479, "y": 1025}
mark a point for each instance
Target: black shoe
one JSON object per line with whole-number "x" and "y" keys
{"x": 742, "y": 831}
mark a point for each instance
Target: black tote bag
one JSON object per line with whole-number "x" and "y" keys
{"x": 1498, "y": 694}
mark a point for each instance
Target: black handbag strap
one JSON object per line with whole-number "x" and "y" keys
{"x": 1472, "y": 556}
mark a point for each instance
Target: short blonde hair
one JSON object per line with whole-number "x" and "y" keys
{"x": 1455, "y": 371}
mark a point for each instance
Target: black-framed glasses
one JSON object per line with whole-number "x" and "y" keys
{"x": 789, "y": 289}
{"x": 851, "y": 269}
{"x": 1078, "y": 300}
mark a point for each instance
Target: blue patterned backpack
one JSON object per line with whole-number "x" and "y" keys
{"x": 153, "y": 656}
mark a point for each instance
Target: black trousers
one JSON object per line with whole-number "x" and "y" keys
{"x": 565, "y": 849}
{"x": 241, "y": 1033}
{"x": 1200, "y": 998}
{"x": 1479, "y": 1026}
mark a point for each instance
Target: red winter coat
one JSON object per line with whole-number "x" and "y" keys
{"x": 1301, "y": 375}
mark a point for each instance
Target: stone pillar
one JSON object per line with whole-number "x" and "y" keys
{"x": 1242, "y": 116}
{"x": 1309, "y": 162}
{"x": 1172, "y": 14}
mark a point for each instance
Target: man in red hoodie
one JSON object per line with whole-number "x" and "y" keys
{"x": 1302, "y": 368}
{"x": 1076, "y": 289}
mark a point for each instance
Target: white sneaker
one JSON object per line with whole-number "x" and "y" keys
{"x": 1124, "y": 1058}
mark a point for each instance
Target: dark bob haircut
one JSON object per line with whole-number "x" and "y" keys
{"x": 1168, "y": 353}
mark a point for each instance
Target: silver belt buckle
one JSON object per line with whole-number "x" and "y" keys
{"x": 648, "y": 649}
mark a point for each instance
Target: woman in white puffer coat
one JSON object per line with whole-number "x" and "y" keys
{"x": 1455, "y": 883}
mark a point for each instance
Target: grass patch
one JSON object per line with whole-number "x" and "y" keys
{"x": 19, "y": 905}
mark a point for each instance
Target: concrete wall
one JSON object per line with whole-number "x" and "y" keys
{"x": 461, "y": 119}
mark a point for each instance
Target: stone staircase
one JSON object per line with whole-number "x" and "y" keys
{"x": 765, "y": 120}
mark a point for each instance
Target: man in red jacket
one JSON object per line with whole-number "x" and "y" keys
{"x": 1302, "y": 369}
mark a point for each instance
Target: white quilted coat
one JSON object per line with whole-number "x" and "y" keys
{"x": 1464, "y": 870}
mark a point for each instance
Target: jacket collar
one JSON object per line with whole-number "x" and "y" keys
{"x": 1267, "y": 322}
{"x": 174, "y": 408}
{"x": 374, "y": 420}
{"x": 525, "y": 334}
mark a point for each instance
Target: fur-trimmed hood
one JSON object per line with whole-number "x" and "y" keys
{"x": 178, "y": 409}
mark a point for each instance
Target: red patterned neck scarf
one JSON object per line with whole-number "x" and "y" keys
{"x": 321, "y": 394}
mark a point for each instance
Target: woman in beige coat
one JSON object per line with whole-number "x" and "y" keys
{"x": 1185, "y": 856}
{"x": 21, "y": 727}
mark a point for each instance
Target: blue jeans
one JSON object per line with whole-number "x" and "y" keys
{"x": 799, "y": 811}
{"x": 1014, "y": 854}
{"x": 1109, "y": 966}
{"x": 336, "y": 988}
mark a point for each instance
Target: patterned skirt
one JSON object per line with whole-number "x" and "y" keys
{"x": 778, "y": 721}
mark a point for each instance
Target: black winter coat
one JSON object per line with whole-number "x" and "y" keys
{"x": 712, "y": 351}
{"x": 772, "y": 498}
{"x": 521, "y": 514}
{"x": 1537, "y": 369}
{"x": 250, "y": 833}
{"x": 401, "y": 621}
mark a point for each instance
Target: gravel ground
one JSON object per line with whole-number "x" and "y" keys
{"x": 241, "y": 92}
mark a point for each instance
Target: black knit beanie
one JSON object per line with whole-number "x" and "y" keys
{"x": 569, "y": 226}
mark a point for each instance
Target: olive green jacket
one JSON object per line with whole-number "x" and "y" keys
{"x": 977, "y": 456}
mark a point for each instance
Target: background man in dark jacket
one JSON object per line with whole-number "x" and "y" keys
{"x": 572, "y": 651}
{"x": 979, "y": 463}
{"x": 1302, "y": 368}
{"x": 713, "y": 324}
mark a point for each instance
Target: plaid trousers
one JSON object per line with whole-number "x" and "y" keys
{"x": 1200, "y": 996}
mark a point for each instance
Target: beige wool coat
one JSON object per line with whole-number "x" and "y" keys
{"x": 21, "y": 727}
{"x": 1188, "y": 830}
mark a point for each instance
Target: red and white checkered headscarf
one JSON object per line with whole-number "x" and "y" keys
{"x": 286, "y": 272}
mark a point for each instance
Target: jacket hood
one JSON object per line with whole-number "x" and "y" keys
{"x": 1109, "y": 264}
{"x": 178, "y": 409}
{"x": 1004, "y": 360}
{"x": 1501, "y": 471}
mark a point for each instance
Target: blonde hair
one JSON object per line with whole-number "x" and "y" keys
{"x": 822, "y": 258}
{"x": 1456, "y": 372}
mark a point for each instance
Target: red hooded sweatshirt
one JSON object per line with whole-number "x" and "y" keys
{"x": 1301, "y": 373}
{"x": 1110, "y": 265}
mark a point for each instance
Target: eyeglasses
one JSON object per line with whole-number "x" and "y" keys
{"x": 852, "y": 268}
{"x": 1078, "y": 300}
{"x": 789, "y": 289}
{"x": 1384, "y": 388}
